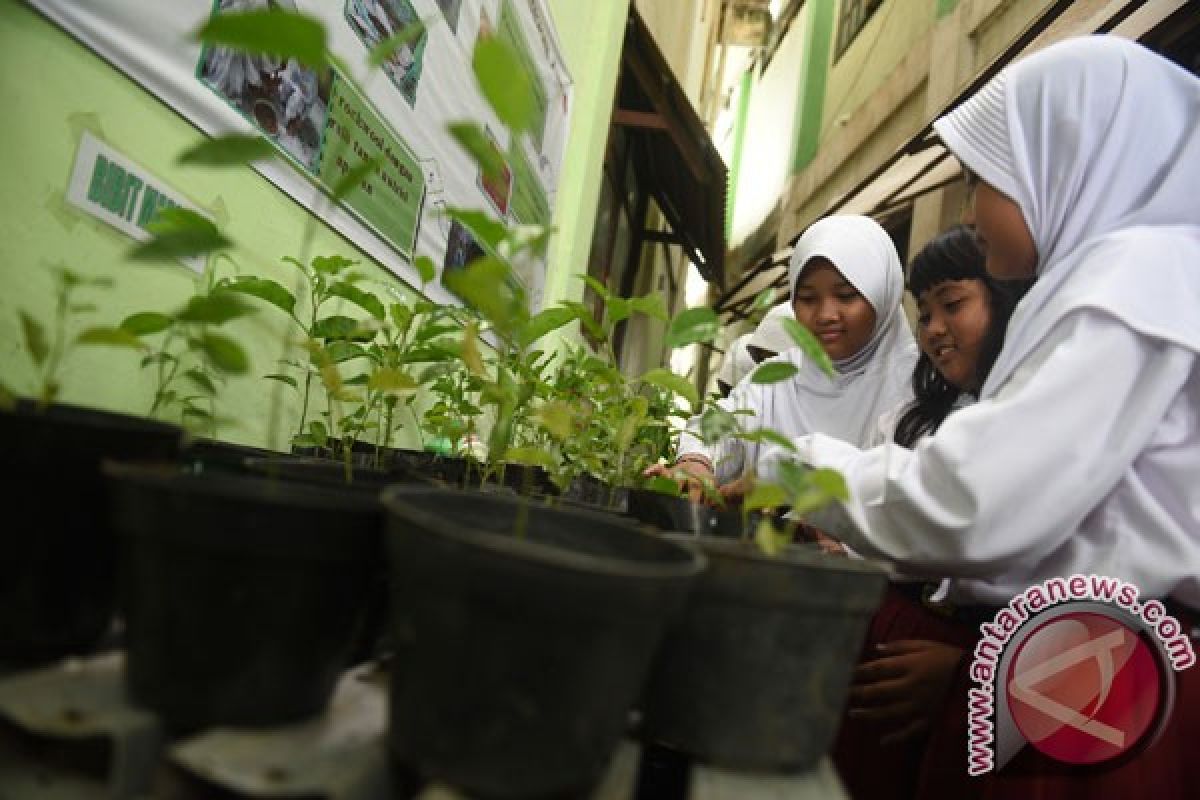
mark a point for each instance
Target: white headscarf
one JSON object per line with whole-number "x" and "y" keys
{"x": 1097, "y": 140}
{"x": 737, "y": 363}
{"x": 875, "y": 380}
{"x": 864, "y": 253}
{"x": 770, "y": 335}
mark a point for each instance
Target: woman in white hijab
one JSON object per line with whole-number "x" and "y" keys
{"x": 737, "y": 364}
{"x": 771, "y": 338}
{"x": 1082, "y": 455}
{"x": 872, "y": 349}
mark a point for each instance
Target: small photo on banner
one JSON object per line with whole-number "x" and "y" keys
{"x": 377, "y": 20}
{"x": 450, "y": 10}
{"x": 498, "y": 188}
{"x": 289, "y": 103}
{"x": 461, "y": 248}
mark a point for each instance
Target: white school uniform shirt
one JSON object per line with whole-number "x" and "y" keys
{"x": 1083, "y": 453}
{"x": 864, "y": 386}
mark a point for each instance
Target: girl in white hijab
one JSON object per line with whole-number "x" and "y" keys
{"x": 737, "y": 364}
{"x": 857, "y": 316}
{"x": 1082, "y": 454}
{"x": 770, "y": 338}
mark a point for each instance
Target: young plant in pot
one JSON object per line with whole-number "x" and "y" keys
{"x": 522, "y": 633}
{"x": 57, "y": 586}
{"x": 754, "y": 674}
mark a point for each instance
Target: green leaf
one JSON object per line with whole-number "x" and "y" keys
{"x": 596, "y": 286}
{"x": 8, "y": 398}
{"x": 558, "y": 418}
{"x": 676, "y": 383}
{"x": 765, "y": 495}
{"x": 471, "y": 356}
{"x": 618, "y": 309}
{"x": 534, "y": 456}
{"x": 769, "y": 540}
{"x": 354, "y": 177}
{"x": 146, "y": 323}
{"x": 805, "y": 340}
{"x": 340, "y": 351}
{"x": 201, "y": 379}
{"x": 505, "y": 83}
{"x": 393, "y": 381}
{"x": 402, "y": 317}
{"x": 831, "y": 482}
{"x": 288, "y": 379}
{"x": 485, "y": 286}
{"x": 773, "y": 372}
{"x": 546, "y": 321}
{"x": 479, "y": 146}
{"x": 488, "y": 231}
{"x": 339, "y": 327}
{"x": 263, "y": 289}
{"x": 215, "y": 308}
{"x": 272, "y": 31}
{"x": 767, "y": 435}
{"x": 328, "y": 265}
{"x": 693, "y": 325}
{"x": 764, "y": 301}
{"x": 111, "y": 337}
{"x": 364, "y": 300}
{"x": 425, "y": 268}
{"x": 716, "y": 423}
{"x": 235, "y": 149}
{"x": 663, "y": 486}
{"x": 35, "y": 338}
{"x": 361, "y": 379}
{"x": 652, "y": 305}
{"x": 388, "y": 47}
{"x": 224, "y": 353}
{"x": 318, "y": 431}
{"x": 179, "y": 233}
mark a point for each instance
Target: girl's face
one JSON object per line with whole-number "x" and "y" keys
{"x": 952, "y": 323}
{"x": 1002, "y": 232}
{"x": 829, "y": 306}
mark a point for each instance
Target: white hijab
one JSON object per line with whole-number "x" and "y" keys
{"x": 1097, "y": 140}
{"x": 770, "y": 334}
{"x": 873, "y": 381}
{"x": 737, "y": 363}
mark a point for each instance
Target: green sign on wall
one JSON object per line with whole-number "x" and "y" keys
{"x": 389, "y": 199}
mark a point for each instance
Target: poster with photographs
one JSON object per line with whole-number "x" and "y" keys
{"x": 289, "y": 103}
{"x": 378, "y": 20}
{"x": 329, "y": 123}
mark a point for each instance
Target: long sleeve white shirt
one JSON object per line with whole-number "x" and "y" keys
{"x": 1086, "y": 461}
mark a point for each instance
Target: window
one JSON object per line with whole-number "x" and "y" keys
{"x": 853, "y": 15}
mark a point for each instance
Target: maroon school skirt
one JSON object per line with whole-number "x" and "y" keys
{"x": 934, "y": 766}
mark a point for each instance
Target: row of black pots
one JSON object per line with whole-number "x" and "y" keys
{"x": 522, "y": 634}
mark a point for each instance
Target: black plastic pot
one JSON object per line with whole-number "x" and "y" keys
{"x": 754, "y": 674}
{"x": 321, "y": 472}
{"x": 57, "y": 553}
{"x": 680, "y": 515}
{"x": 213, "y": 455}
{"x": 518, "y": 657}
{"x": 242, "y": 596}
{"x": 595, "y": 492}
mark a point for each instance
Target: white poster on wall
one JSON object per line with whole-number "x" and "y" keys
{"x": 324, "y": 127}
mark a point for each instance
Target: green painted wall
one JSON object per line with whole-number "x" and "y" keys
{"x": 814, "y": 72}
{"x": 74, "y": 89}
{"x": 591, "y": 34}
{"x": 739, "y": 141}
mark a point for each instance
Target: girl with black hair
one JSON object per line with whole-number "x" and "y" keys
{"x": 908, "y": 664}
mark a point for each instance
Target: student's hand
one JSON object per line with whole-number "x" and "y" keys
{"x": 904, "y": 686}
{"x": 734, "y": 491}
{"x": 692, "y": 475}
{"x": 829, "y": 545}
